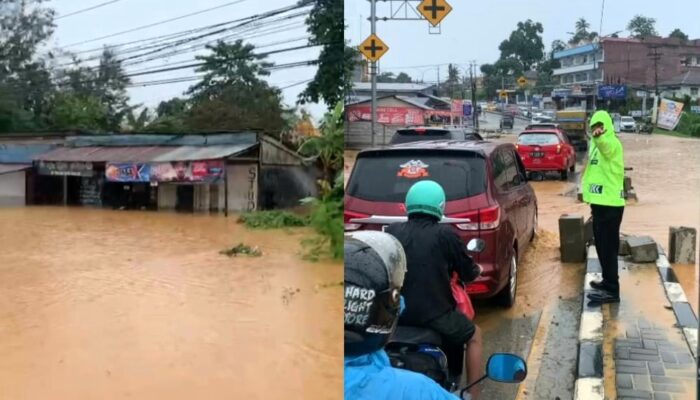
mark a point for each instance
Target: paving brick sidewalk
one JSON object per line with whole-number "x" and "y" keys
{"x": 649, "y": 366}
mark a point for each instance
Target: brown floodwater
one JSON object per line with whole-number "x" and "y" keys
{"x": 98, "y": 304}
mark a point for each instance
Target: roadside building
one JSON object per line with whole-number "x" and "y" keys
{"x": 17, "y": 178}
{"x": 685, "y": 84}
{"x": 228, "y": 172}
{"x": 364, "y": 90}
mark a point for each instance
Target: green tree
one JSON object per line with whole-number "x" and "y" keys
{"x": 581, "y": 33}
{"x": 403, "y": 77}
{"x": 173, "y": 107}
{"x": 336, "y": 60}
{"x": 524, "y": 44}
{"x": 677, "y": 33}
{"x": 642, "y": 27}
{"x": 386, "y": 77}
{"x": 232, "y": 94}
{"x": 138, "y": 122}
{"x": 24, "y": 26}
{"x": 558, "y": 45}
{"x": 72, "y": 111}
{"x": 329, "y": 147}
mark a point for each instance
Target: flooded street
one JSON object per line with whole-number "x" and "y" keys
{"x": 543, "y": 325}
{"x": 139, "y": 305}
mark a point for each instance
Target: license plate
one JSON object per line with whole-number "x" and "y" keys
{"x": 537, "y": 154}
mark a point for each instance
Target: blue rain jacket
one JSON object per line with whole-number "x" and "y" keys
{"x": 371, "y": 376}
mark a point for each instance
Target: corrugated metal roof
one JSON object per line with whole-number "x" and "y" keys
{"x": 391, "y": 86}
{"x": 143, "y": 153}
{"x": 588, "y": 48}
{"x": 237, "y": 138}
{"x": 8, "y": 168}
{"x": 22, "y": 153}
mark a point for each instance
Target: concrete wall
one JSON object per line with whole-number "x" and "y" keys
{"x": 273, "y": 152}
{"x": 629, "y": 61}
{"x": 13, "y": 189}
{"x": 285, "y": 186}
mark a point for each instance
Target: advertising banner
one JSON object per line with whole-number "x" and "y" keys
{"x": 386, "y": 115}
{"x": 65, "y": 168}
{"x": 457, "y": 106}
{"x": 669, "y": 114}
{"x": 176, "y": 171}
{"x": 128, "y": 172}
{"x": 612, "y": 92}
{"x": 194, "y": 171}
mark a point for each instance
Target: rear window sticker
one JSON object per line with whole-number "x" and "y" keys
{"x": 413, "y": 169}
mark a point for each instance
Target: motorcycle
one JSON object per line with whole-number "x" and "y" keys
{"x": 422, "y": 350}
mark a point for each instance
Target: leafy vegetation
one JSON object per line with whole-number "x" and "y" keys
{"x": 243, "y": 249}
{"x": 272, "y": 219}
{"x": 641, "y": 27}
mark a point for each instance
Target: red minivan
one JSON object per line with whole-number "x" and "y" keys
{"x": 488, "y": 197}
{"x": 545, "y": 150}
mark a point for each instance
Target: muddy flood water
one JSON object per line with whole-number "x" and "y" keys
{"x": 99, "y": 304}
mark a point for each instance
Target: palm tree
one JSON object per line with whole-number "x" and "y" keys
{"x": 329, "y": 146}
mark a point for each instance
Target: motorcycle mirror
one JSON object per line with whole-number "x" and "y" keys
{"x": 506, "y": 368}
{"x": 476, "y": 245}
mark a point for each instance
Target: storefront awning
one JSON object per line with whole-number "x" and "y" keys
{"x": 9, "y": 168}
{"x": 143, "y": 153}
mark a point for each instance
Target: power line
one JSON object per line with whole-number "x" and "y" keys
{"x": 86, "y": 9}
{"x": 138, "y": 28}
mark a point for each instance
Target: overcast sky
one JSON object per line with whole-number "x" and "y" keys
{"x": 473, "y": 30}
{"x": 126, "y": 14}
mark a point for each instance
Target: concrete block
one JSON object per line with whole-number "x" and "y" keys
{"x": 624, "y": 249}
{"x": 681, "y": 247}
{"x": 571, "y": 239}
{"x": 588, "y": 230}
{"x": 643, "y": 249}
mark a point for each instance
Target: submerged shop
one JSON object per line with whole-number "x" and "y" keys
{"x": 211, "y": 173}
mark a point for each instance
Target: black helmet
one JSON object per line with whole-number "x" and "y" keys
{"x": 375, "y": 265}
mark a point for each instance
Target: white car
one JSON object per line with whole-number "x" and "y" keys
{"x": 628, "y": 124}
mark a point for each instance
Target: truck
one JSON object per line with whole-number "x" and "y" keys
{"x": 573, "y": 122}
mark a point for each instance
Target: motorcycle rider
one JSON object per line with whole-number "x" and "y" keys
{"x": 375, "y": 265}
{"x": 433, "y": 252}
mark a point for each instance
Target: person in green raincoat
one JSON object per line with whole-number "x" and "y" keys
{"x": 602, "y": 187}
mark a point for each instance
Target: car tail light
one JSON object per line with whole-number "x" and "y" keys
{"x": 516, "y": 147}
{"x": 476, "y": 288}
{"x": 558, "y": 149}
{"x": 485, "y": 218}
{"x": 351, "y": 226}
{"x": 420, "y": 131}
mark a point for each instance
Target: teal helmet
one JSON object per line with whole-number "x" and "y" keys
{"x": 426, "y": 197}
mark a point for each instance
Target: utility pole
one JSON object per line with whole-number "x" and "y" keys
{"x": 373, "y": 69}
{"x": 472, "y": 76}
{"x": 656, "y": 56}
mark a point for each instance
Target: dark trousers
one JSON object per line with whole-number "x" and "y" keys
{"x": 606, "y": 233}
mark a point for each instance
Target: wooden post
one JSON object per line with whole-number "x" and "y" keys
{"x": 225, "y": 188}
{"x": 65, "y": 190}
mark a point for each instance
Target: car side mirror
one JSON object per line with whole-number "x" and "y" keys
{"x": 476, "y": 245}
{"x": 506, "y": 368}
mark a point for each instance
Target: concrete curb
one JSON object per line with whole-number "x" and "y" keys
{"x": 686, "y": 318}
{"x": 589, "y": 381}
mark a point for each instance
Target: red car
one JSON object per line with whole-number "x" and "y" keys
{"x": 547, "y": 150}
{"x": 488, "y": 197}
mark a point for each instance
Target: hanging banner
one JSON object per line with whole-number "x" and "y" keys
{"x": 65, "y": 168}
{"x": 122, "y": 172}
{"x": 669, "y": 114}
{"x": 188, "y": 171}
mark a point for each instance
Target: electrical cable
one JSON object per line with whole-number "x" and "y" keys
{"x": 86, "y": 9}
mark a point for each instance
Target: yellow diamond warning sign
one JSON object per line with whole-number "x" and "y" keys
{"x": 373, "y": 48}
{"x": 522, "y": 81}
{"x": 434, "y": 10}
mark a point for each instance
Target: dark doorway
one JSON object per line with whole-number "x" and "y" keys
{"x": 185, "y": 198}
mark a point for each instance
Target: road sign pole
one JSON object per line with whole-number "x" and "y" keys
{"x": 373, "y": 68}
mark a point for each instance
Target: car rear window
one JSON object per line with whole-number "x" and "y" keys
{"x": 538, "y": 138}
{"x": 387, "y": 176}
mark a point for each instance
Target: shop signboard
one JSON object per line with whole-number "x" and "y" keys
{"x": 669, "y": 114}
{"x": 695, "y": 109}
{"x": 188, "y": 171}
{"x": 386, "y": 115}
{"x": 60, "y": 168}
{"x": 128, "y": 172}
{"x": 612, "y": 92}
